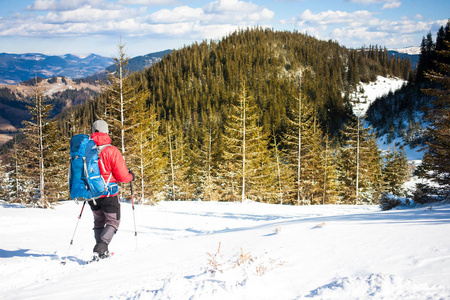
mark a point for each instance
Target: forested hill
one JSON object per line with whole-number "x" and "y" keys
{"x": 200, "y": 81}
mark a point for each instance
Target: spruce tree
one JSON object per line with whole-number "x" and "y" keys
{"x": 246, "y": 152}
{"x": 206, "y": 161}
{"x": 359, "y": 165}
{"x": 42, "y": 152}
{"x": 330, "y": 179}
{"x": 56, "y": 161}
{"x": 313, "y": 173}
{"x": 426, "y": 58}
{"x": 16, "y": 169}
{"x": 285, "y": 174}
{"x": 179, "y": 186}
{"x": 146, "y": 152}
{"x": 395, "y": 171}
{"x": 303, "y": 142}
{"x": 263, "y": 177}
{"x": 121, "y": 93}
{"x": 5, "y": 182}
{"x": 436, "y": 161}
{"x": 293, "y": 139}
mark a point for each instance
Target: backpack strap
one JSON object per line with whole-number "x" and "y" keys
{"x": 99, "y": 150}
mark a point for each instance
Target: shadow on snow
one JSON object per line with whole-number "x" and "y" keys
{"x": 23, "y": 253}
{"x": 417, "y": 216}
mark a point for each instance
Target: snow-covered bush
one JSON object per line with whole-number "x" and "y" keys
{"x": 389, "y": 201}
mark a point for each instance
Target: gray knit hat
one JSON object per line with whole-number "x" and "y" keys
{"x": 100, "y": 126}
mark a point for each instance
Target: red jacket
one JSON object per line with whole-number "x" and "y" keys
{"x": 112, "y": 160}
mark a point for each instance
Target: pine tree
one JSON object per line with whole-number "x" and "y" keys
{"x": 293, "y": 141}
{"x": 359, "y": 165}
{"x": 426, "y": 58}
{"x": 313, "y": 173}
{"x": 147, "y": 152}
{"x": 263, "y": 177}
{"x": 330, "y": 180}
{"x": 303, "y": 141}
{"x": 436, "y": 162}
{"x": 73, "y": 124}
{"x": 40, "y": 149}
{"x": 16, "y": 167}
{"x": 179, "y": 187}
{"x": 246, "y": 152}
{"x": 206, "y": 161}
{"x": 121, "y": 92}
{"x": 395, "y": 171}
{"x": 285, "y": 174}
{"x": 56, "y": 161}
{"x": 5, "y": 182}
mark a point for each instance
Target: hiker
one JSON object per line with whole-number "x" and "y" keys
{"x": 106, "y": 208}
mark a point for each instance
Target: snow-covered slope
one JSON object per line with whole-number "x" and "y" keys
{"x": 369, "y": 92}
{"x": 266, "y": 252}
{"x": 413, "y": 50}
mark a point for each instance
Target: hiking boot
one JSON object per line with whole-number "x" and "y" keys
{"x": 101, "y": 249}
{"x": 103, "y": 255}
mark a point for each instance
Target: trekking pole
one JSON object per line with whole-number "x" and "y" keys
{"x": 73, "y": 236}
{"x": 134, "y": 218}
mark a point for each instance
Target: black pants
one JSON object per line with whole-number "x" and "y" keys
{"x": 106, "y": 212}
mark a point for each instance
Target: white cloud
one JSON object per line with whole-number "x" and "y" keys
{"x": 230, "y": 12}
{"x": 230, "y": 6}
{"x": 43, "y": 5}
{"x": 392, "y": 4}
{"x": 334, "y": 17}
{"x": 386, "y": 3}
{"x": 64, "y": 18}
{"x": 359, "y": 33}
{"x": 54, "y": 5}
{"x": 403, "y": 26}
{"x": 86, "y": 14}
{"x": 357, "y": 28}
{"x": 177, "y": 15}
{"x": 235, "y": 12}
{"x": 149, "y": 2}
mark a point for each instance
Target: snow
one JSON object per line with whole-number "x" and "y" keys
{"x": 413, "y": 50}
{"x": 414, "y": 155}
{"x": 373, "y": 90}
{"x": 266, "y": 252}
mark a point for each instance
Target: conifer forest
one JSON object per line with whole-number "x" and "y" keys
{"x": 261, "y": 115}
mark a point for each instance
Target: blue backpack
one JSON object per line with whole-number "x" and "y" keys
{"x": 85, "y": 180}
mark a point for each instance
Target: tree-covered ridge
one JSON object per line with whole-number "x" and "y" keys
{"x": 202, "y": 79}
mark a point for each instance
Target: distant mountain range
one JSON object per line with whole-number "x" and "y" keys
{"x": 412, "y": 53}
{"x": 16, "y": 68}
{"x": 141, "y": 62}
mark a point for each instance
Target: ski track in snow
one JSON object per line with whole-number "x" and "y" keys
{"x": 308, "y": 252}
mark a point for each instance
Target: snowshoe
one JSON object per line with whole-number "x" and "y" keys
{"x": 99, "y": 256}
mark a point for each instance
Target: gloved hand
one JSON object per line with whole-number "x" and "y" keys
{"x": 129, "y": 171}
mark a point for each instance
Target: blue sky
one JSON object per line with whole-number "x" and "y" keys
{"x": 95, "y": 26}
